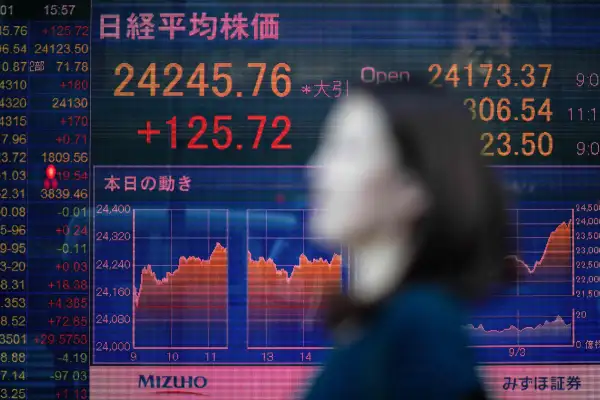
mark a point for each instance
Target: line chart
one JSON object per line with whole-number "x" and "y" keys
{"x": 228, "y": 272}
{"x": 179, "y": 299}
{"x": 543, "y": 248}
{"x": 518, "y": 330}
{"x": 284, "y": 297}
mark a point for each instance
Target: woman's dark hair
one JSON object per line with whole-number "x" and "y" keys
{"x": 462, "y": 240}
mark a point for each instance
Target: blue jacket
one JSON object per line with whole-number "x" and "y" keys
{"x": 414, "y": 349}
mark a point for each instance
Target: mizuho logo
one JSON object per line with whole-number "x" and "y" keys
{"x": 173, "y": 384}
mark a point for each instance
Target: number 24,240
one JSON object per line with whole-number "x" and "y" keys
{"x": 219, "y": 127}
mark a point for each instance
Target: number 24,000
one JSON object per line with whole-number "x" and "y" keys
{"x": 220, "y": 128}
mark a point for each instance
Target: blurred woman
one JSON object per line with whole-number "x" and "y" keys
{"x": 403, "y": 185}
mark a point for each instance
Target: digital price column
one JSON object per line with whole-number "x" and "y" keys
{"x": 14, "y": 196}
{"x": 513, "y": 101}
{"x": 45, "y": 192}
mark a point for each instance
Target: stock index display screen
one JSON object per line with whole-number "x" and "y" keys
{"x": 153, "y": 183}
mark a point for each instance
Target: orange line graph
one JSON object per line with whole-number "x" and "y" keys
{"x": 196, "y": 284}
{"x": 556, "y": 326}
{"x": 557, "y": 252}
{"x": 556, "y": 331}
{"x": 276, "y": 294}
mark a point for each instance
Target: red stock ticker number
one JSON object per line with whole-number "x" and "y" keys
{"x": 280, "y": 81}
{"x": 224, "y": 141}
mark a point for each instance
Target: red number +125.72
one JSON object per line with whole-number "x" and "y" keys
{"x": 226, "y": 135}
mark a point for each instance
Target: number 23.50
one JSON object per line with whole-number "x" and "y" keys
{"x": 530, "y": 145}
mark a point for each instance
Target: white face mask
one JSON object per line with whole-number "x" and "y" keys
{"x": 365, "y": 201}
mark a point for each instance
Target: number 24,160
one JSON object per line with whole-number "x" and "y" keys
{"x": 219, "y": 127}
